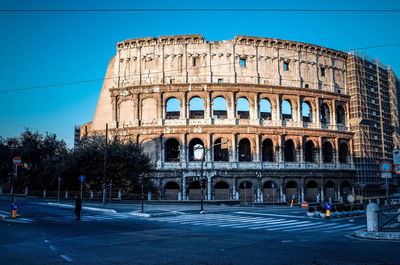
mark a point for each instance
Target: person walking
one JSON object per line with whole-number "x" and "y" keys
{"x": 78, "y": 207}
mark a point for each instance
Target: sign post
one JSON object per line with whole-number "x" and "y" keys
{"x": 141, "y": 183}
{"x": 82, "y": 179}
{"x": 328, "y": 207}
{"x": 386, "y": 168}
{"x": 291, "y": 204}
{"x": 273, "y": 189}
{"x": 14, "y": 206}
{"x": 16, "y": 162}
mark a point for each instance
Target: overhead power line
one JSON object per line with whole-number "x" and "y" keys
{"x": 172, "y": 70}
{"x": 182, "y": 10}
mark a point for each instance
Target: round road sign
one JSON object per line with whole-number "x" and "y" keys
{"x": 386, "y": 167}
{"x": 82, "y": 178}
{"x": 14, "y": 205}
{"x": 304, "y": 205}
{"x": 328, "y": 205}
{"x": 17, "y": 161}
{"x": 351, "y": 198}
{"x": 397, "y": 169}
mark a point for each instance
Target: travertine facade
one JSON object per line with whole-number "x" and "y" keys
{"x": 273, "y": 113}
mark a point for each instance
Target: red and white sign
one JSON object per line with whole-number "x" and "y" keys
{"x": 386, "y": 167}
{"x": 17, "y": 161}
{"x": 351, "y": 198}
{"x": 304, "y": 205}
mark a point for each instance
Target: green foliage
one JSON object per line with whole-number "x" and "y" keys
{"x": 45, "y": 158}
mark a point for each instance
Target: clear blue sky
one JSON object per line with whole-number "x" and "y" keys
{"x": 49, "y": 48}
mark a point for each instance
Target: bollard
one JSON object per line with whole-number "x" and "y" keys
{"x": 372, "y": 217}
{"x": 1, "y": 189}
{"x": 91, "y": 194}
{"x": 179, "y": 196}
{"x": 44, "y": 193}
{"x": 149, "y": 196}
{"x": 26, "y": 190}
{"x": 119, "y": 194}
{"x": 237, "y": 196}
{"x": 66, "y": 194}
{"x": 14, "y": 214}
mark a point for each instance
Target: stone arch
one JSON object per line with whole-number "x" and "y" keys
{"x": 287, "y": 109}
{"x": 220, "y": 108}
{"x": 340, "y": 115}
{"x": 171, "y": 190}
{"x": 196, "y": 108}
{"x": 267, "y": 150}
{"x": 311, "y": 191}
{"x": 265, "y": 109}
{"x": 172, "y": 150}
{"x": 221, "y": 152}
{"x": 345, "y": 189}
{"x": 194, "y": 190}
{"x": 172, "y": 108}
{"x": 343, "y": 153}
{"x": 327, "y": 152}
{"x": 245, "y": 191}
{"x": 243, "y": 108}
{"x": 310, "y": 152}
{"x": 306, "y": 111}
{"x": 325, "y": 115}
{"x": 148, "y": 110}
{"x": 196, "y": 149}
{"x": 291, "y": 188}
{"x": 244, "y": 150}
{"x": 289, "y": 151}
{"x": 221, "y": 191}
{"x": 329, "y": 190}
{"x": 150, "y": 148}
{"x": 270, "y": 191}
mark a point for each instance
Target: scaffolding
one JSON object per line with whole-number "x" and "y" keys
{"x": 373, "y": 118}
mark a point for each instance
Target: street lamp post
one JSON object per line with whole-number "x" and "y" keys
{"x": 202, "y": 181}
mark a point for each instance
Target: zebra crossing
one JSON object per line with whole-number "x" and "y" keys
{"x": 84, "y": 218}
{"x": 272, "y": 224}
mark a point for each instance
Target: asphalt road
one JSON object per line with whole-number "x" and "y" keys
{"x": 49, "y": 235}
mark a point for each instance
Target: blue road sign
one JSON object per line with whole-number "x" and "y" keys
{"x": 272, "y": 185}
{"x": 328, "y": 206}
{"x": 14, "y": 205}
{"x": 82, "y": 178}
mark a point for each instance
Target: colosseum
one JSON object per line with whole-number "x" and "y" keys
{"x": 275, "y": 119}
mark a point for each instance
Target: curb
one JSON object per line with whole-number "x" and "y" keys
{"x": 377, "y": 235}
{"x": 70, "y": 206}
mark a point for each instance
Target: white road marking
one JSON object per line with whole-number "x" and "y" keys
{"x": 269, "y": 225}
{"x": 258, "y": 223}
{"x": 335, "y": 229}
{"x": 355, "y": 227}
{"x": 46, "y": 241}
{"x": 66, "y": 258}
{"x": 271, "y": 214}
{"x": 317, "y": 227}
{"x": 279, "y": 227}
{"x": 286, "y": 241}
{"x": 52, "y": 248}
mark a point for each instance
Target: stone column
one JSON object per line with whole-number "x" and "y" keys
{"x": 184, "y": 193}
{"x": 278, "y": 117}
{"x": 257, "y": 152}
{"x": 301, "y": 149}
{"x": 333, "y": 114}
{"x": 372, "y": 217}
{"x": 321, "y": 158}
{"x": 317, "y": 113}
{"x": 322, "y": 191}
{"x": 209, "y": 187}
{"x": 336, "y": 154}
{"x": 299, "y": 116}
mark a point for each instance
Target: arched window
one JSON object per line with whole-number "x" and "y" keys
{"x": 244, "y": 150}
{"x": 340, "y": 115}
{"x": 309, "y": 152}
{"x": 172, "y": 185}
{"x": 220, "y": 110}
{"x": 173, "y": 109}
{"x": 243, "y": 108}
{"x": 172, "y": 152}
{"x": 306, "y": 112}
{"x": 327, "y": 152}
{"x": 286, "y": 110}
{"x": 267, "y": 150}
{"x": 325, "y": 114}
{"x": 196, "y": 148}
{"x": 196, "y": 108}
{"x": 343, "y": 153}
{"x": 265, "y": 109}
{"x": 221, "y": 152}
{"x": 221, "y": 185}
{"x": 289, "y": 151}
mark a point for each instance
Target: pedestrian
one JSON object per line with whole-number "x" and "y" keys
{"x": 78, "y": 207}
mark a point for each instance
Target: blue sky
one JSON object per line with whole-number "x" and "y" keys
{"x": 50, "y": 48}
